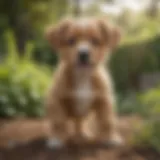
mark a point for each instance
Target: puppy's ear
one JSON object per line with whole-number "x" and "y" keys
{"x": 56, "y": 34}
{"x": 111, "y": 34}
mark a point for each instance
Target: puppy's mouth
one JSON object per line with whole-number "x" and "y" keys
{"x": 84, "y": 64}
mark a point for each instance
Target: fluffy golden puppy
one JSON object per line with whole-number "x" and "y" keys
{"x": 82, "y": 83}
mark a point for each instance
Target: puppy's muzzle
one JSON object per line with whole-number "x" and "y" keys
{"x": 83, "y": 57}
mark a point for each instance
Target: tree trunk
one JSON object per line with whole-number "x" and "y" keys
{"x": 18, "y": 23}
{"x": 22, "y": 35}
{"x": 77, "y": 9}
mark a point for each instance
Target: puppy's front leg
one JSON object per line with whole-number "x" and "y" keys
{"x": 58, "y": 125}
{"x": 106, "y": 118}
{"x": 78, "y": 137}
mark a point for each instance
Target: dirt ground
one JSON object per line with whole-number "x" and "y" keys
{"x": 29, "y": 137}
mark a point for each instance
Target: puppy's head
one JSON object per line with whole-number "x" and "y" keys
{"x": 83, "y": 42}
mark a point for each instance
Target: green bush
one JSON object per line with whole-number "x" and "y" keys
{"x": 130, "y": 61}
{"x": 129, "y": 104}
{"x": 151, "y": 103}
{"x": 44, "y": 54}
{"x": 22, "y": 83}
{"x": 149, "y": 134}
{"x": 139, "y": 53}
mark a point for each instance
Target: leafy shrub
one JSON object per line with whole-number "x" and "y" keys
{"x": 129, "y": 104}
{"x": 149, "y": 134}
{"x": 151, "y": 103}
{"x": 130, "y": 61}
{"x": 43, "y": 53}
{"x": 145, "y": 104}
{"x": 22, "y": 83}
{"x": 138, "y": 53}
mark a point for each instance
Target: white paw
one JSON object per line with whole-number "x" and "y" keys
{"x": 54, "y": 143}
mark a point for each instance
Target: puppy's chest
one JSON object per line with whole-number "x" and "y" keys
{"x": 83, "y": 96}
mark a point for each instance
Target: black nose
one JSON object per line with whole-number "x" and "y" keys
{"x": 83, "y": 57}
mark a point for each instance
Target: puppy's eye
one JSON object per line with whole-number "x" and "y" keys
{"x": 71, "y": 41}
{"x": 95, "y": 41}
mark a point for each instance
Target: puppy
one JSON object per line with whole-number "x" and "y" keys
{"x": 82, "y": 83}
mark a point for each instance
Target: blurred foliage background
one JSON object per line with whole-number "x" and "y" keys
{"x": 27, "y": 62}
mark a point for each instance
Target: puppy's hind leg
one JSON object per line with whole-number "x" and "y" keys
{"x": 106, "y": 118}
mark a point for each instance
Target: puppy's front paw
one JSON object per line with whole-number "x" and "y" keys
{"x": 77, "y": 140}
{"x": 54, "y": 143}
{"x": 114, "y": 141}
